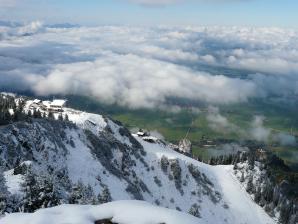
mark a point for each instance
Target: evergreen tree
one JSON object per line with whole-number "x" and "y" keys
{"x": 29, "y": 113}
{"x": 30, "y": 190}
{"x": 4, "y": 194}
{"x": 60, "y": 117}
{"x": 257, "y": 197}
{"x": 51, "y": 115}
{"x": 242, "y": 177}
{"x": 76, "y": 194}
{"x": 48, "y": 195}
{"x": 36, "y": 114}
{"x": 285, "y": 212}
{"x": 250, "y": 186}
{"x": 82, "y": 195}
{"x": 195, "y": 210}
{"x": 105, "y": 196}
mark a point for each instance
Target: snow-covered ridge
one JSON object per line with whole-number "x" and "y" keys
{"x": 98, "y": 154}
{"x": 124, "y": 212}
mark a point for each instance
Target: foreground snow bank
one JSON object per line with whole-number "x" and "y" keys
{"x": 124, "y": 212}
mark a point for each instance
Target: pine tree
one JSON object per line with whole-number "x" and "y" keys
{"x": 257, "y": 197}
{"x": 76, "y": 194}
{"x": 195, "y": 210}
{"x": 82, "y": 195}
{"x": 250, "y": 186}
{"x": 89, "y": 195}
{"x": 4, "y": 194}
{"x": 30, "y": 190}
{"x": 242, "y": 177}
{"x": 60, "y": 117}
{"x": 36, "y": 114}
{"x": 105, "y": 196}
{"x": 285, "y": 212}
{"x": 48, "y": 195}
{"x": 51, "y": 115}
{"x": 29, "y": 113}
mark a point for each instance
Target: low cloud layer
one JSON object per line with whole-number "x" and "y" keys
{"x": 256, "y": 130}
{"x": 142, "y": 67}
{"x": 226, "y": 149}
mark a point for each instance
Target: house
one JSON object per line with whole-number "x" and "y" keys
{"x": 35, "y": 104}
{"x": 57, "y": 105}
{"x": 142, "y": 133}
{"x": 36, "y": 101}
{"x": 45, "y": 105}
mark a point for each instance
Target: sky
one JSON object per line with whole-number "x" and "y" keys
{"x": 282, "y": 13}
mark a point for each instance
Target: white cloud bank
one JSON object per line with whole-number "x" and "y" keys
{"x": 143, "y": 67}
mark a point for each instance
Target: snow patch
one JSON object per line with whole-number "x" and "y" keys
{"x": 124, "y": 212}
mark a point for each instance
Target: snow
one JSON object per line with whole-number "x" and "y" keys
{"x": 245, "y": 210}
{"x": 124, "y": 212}
{"x": 93, "y": 122}
{"x": 13, "y": 182}
{"x": 11, "y": 112}
{"x": 8, "y": 94}
{"x": 242, "y": 209}
{"x": 58, "y": 103}
{"x": 36, "y": 101}
{"x": 84, "y": 166}
{"x": 46, "y": 103}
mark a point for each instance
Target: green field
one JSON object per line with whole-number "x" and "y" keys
{"x": 174, "y": 126}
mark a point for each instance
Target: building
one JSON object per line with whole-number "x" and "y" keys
{"x": 57, "y": 105}
{"x": 142, "y": 133}
{"x": 35, "y": 104}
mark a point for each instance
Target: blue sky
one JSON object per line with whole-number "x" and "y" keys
{"x": 193, "y": 12}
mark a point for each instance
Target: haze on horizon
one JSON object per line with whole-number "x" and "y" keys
{"x": 154, "y": 12}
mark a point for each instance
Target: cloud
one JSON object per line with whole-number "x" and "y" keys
{"x": 258, "y": 131}
{"x": 220, "y": 123}
{"x": 135, "y": 82}
{"x": 285, "y": 139}
{"x": 226, "y": 149}
{"x": 141, "y": 67}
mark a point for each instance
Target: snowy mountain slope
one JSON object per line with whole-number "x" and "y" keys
{"x": 99, "y": 153}
{"x": 239, "y": 201}
{"x": 124, "y": 212}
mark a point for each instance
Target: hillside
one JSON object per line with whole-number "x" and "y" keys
{"x": 84, "y": 158}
